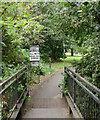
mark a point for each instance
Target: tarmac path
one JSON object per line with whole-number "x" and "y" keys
{"x": 46, "y": 101}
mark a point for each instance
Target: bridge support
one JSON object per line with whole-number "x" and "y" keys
{"x": 72, "y": 108}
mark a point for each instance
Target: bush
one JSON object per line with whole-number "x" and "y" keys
{"x": 88, "y": 67}
{"x": 42, "y": 68}
{"x": 9, "y": 69}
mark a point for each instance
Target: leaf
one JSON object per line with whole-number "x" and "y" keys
{"x": 3, "y": 44}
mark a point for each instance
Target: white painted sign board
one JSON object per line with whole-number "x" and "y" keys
{"x": 34, "y": 63}
{"x": 34, "y": 54}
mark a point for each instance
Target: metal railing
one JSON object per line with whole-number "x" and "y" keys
{"x": 84, "y": 95}
{"x": 12, "y": 90}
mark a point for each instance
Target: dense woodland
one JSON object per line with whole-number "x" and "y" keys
{"x": 56, "y": 28}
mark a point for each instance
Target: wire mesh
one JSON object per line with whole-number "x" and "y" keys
{"x": 12, "y": 94}
{"x": 88, "y": 107}
{"x": 70, "y": 86}
{"x": 8, "y": 101}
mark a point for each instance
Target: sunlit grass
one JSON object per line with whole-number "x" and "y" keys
{"x": 71, "y": 58}
{"x": 56, "y": 66}
{"x": 74, "y": 55}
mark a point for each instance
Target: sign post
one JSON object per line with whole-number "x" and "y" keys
{"x": 35, "y": 57}
{"x": 50, "y": 63}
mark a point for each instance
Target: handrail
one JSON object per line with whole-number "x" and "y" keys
{"x": 3, "y": 90}
{"x": 88, "y": 91}
{"x": 10, "y": 92}
{"x": 93, "y": 87}
{"x": 85, "y": 95}
{"x": 7, "y": 80}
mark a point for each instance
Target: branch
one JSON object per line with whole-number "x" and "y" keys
{"x": 13, "y": 17}
{"x": 6, "y": 9}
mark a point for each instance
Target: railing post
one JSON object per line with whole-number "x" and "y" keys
{"x": 68, "y": 77}
{"x": 63, "y": 84}
{"x": 64, "y": 69}
{"x": 16, "y": 94}
{"x": 74, "y": 92}
{"x": 99, "y": 107}
{"x": 0, "y": 104}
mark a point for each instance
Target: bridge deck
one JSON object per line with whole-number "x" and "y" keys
{"x": 46, "y": 100}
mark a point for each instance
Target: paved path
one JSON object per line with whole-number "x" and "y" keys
{"x": 46, "y": 101}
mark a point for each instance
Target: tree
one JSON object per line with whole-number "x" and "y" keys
{"x": 51, "y": 25}
{"x": 89, "y": 65}
{"x": 19, "y": 26}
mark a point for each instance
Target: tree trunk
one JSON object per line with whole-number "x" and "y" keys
{"x": 53, "y": 50}
{"x": 71, "y": 51}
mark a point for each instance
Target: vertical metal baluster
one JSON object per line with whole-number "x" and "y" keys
{"x": 89, "y": 110}
{"x": 1, "y": 100}
{"x": 74, "y": 92}
{"x": 38, "y": 74}
{"x": 71, "y": 85}
{"x": 64, "y": 84}
{"x": 92, "y": 112}
{"x": 99, "y": 112}
{"x": 16, "y": 94}
{"x": 99, "y": 105}
{"x": 84, "y": 110}
{"x": 93, "y": 109}
{"x": 78, "y": 99}
{"x": 68, "y": 83}
{"x": 65, "y": 80}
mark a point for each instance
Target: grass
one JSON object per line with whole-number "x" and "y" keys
{"x": 60, "y": 65}
{"x": 76, "y": 55}
{"x": 71, "y": 58}
{"x": 56, "y": 66}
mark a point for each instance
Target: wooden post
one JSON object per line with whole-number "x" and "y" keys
{"x": 0, "y": 103}
{"x": 39, "y": 74}
{"x": 50, "y": 63}
{"x": 16, "y": 94}
{"x": 71, "y": 51}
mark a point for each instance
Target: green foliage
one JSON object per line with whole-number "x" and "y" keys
{"x": 55, "y": 27}
{"x": 51, "y": 48}
{"x": 9, "y": 69}
{"x": 89, "y": 65}
{"x": 43, "y": 69}
{"x": 63, "y": 84}
{"x": 68, "y": 24}
{"x": 20, "y": 88}
{"x": 19, "y": 27}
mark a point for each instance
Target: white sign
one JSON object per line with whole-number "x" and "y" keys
{"x": 34, "y": 53}
{"x": 34, "y": 63}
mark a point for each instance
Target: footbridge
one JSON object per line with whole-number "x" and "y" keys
{"x": 77, "y": 98}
